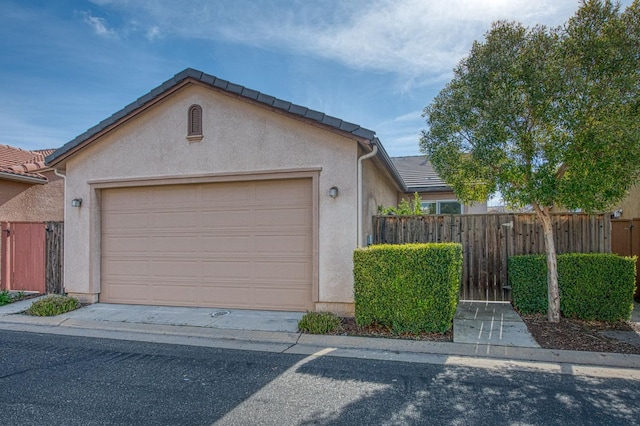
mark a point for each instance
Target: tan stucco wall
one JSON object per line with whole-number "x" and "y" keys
{"x": 631, "y": 205}
{"x": 476, "y": 208}
{"x": 238, "y": 137}
{"x": 32, "y": 203}
{"x": 378, "y": 190}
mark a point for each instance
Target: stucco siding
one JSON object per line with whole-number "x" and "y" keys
{"x": 238, "y": 137}
{"x": 631, "y": 205}
{"x": 32, "y": 203}
{"x": 379, "y": 190}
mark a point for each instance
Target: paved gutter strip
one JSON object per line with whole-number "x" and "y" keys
{"x": 302, "y": 343}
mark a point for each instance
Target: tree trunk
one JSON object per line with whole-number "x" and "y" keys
{"x": 552, "y": 266}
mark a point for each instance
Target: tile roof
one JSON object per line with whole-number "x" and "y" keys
{"x": 297, "y": 110}
{"x": 418, "y": 174}
{"x": 22, "y": 164}
{"x": 253, "y": 95}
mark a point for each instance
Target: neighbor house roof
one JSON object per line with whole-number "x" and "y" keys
{"x": 418, "y": 174}
{"x": 192, "y": 75}
{"x": 22, "y": 165}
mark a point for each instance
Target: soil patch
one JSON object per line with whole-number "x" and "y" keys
{"x": 576, "y": 335}
{"x": 569, "y": 334}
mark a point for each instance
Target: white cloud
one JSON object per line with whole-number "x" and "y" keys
{"x": 416, "y": 39}
{"x": 153, "y": 33}
{"x": 99, "y": 25}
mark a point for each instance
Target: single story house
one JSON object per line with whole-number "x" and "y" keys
{"x": 418, "y": 175}
{"x": 29, "y": 190}
{"x": 207, "y": 193}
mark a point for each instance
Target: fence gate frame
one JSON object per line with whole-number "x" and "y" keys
{"x": 489, "y": 239}
{"x": 31, "y": 256}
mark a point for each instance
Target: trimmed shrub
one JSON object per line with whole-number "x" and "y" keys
{"x": 53, "y": 305}
{"x": 319, "y": 323}
{"x": 528, "y": 280}
{"x": 593, "y": 286}
{"x": 410, "y": 288}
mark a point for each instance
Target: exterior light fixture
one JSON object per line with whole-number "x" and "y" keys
{"x": 76, "y": 202}
{"x": 333, "y": 192}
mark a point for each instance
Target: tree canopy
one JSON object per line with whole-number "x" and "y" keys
{"x": 547, "y": 117}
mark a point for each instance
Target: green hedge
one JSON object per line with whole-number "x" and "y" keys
{"x": 593, "y": 286}
{"x": 410, "y": 287}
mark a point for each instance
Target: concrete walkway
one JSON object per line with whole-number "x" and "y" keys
{"x": 490, "y": 323}
{"x": 480, "y": 329}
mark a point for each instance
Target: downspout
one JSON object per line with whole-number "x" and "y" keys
{"x": 57, "y": 173}
{"x": 373, "y": 152}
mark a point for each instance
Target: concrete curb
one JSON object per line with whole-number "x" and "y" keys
{"x": 301, "y": 343}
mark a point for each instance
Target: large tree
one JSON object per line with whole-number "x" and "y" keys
{"x": 546, "y": 117}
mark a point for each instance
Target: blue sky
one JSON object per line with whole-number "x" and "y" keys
{"x": 66, "y": 65}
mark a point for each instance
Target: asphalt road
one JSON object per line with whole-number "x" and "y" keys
{"x": 64, "y": 380}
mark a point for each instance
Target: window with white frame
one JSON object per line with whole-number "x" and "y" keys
{"x": 441, "y": 207}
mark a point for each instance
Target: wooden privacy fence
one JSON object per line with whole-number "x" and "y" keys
{"x": 489, "y": 239}
{"x": 31, "y": 255}
{"x": 54, "y": 252}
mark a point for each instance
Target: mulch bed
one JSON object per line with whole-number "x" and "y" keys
{"x": 568, "y": 334}
{"x": 577, "y": 335}
{"x": 348, "y": 327}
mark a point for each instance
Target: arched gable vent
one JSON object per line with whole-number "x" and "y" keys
{"x": 195, "y": 121}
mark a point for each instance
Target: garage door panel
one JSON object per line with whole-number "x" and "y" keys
{"x": 228, "y": 296}
{"x": 226, "y": 269}
{"x": 230, "y": 193}
{"x": 126, "y": 243}
{"x": 282, "y": 218}
{"x": 126, "y": 268}
{"x": 234, "y": 244}
{"x": 166, "y": 197}
{"x": 174, "y": 220}
{"x": 119, "y": 199}
{"x": 174, "y": 244}
{"x": 165, "y": 294}
{"x": 285, "y": 298}
{"x": 176, "y": 269}
{"x": 124, "y": 223}
{"x": 224, "y": 218}
{"x": 283, "y": 271}
{"x": 284, "y": 244}
{"x": 282, "y": 191}
{"x": 239, "y": 244}
{"x": 128, "y": 292}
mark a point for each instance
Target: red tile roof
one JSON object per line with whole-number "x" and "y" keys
{"x": 22, "y": 163}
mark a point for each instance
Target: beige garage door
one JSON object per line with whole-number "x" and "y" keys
{"x": 232, "y": 245}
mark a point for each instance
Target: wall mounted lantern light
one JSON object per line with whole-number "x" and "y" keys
{"x": 333, "y": 192}
{"x": 76, "y": 202}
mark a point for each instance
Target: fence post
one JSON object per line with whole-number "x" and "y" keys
{"x": 54, "y": 250}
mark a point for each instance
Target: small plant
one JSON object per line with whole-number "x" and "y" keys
{"x": 53, "y": 305}
{"x": 319, "y": 323}
{"x": 5, "y": 298}
{"x": 405, "y": 208}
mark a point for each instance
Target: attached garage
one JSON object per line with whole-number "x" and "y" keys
{"x": 245, "y": 244}
{"x": 206, "y": 193}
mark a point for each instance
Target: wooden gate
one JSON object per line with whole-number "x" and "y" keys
{"x": 23, "y": 256}
{"x": 625, "y": 241}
